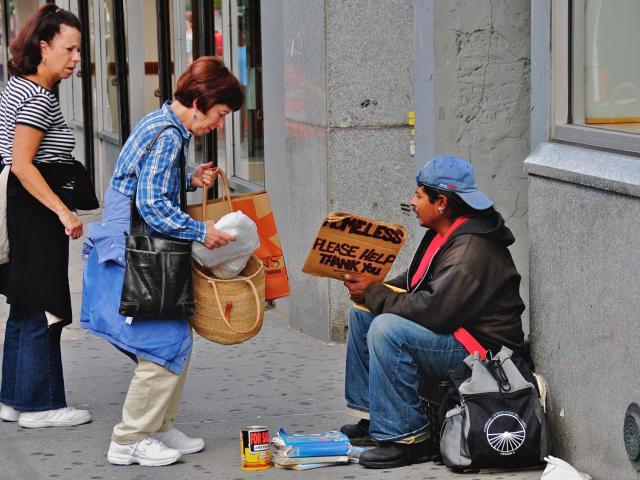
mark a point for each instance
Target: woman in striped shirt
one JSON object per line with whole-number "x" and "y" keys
{"x": 148, "y": 166}
{"x": 36, "y": 144}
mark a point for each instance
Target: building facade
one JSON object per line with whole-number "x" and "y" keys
{"x": 584, "y": 178}
{"x": 347, "y": 100}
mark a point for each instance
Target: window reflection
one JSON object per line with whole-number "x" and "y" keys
{"x": 188, "y": 33}
{"x": 17, "y": 11}
{"x": 247, "y": 62}
{"x": 607, "y": 77}
{"x": 3, "y": 48}
{"x": 110, "y": 107}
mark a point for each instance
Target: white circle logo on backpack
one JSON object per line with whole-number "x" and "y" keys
{"x": 505, "y": 432}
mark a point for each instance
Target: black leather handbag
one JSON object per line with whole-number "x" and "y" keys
{"x": 157, "y": 278}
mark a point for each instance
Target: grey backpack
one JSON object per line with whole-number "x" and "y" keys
{"x": 499, "y": 422}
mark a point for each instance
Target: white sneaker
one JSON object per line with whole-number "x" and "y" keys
{"x": 62, "y": 417}
{"x": 8, "y": 414}
{"x": 174, "y": 438}
{"x": 148, "y": 452}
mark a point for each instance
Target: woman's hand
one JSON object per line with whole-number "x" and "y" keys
{"x": 72, "y": 224}
{"x": 356, "y": 284}
{"x": 205, "y": 175}
{"x": 216, "y": 238}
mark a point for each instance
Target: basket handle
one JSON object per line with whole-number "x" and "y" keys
{"x": 224, "y": 317}
{"x": 226, "y": 195}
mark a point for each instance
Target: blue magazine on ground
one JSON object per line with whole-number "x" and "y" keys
{"x": 314, "y": 445}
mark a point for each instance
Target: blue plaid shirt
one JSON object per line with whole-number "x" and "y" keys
{"x": 157, "y": 175}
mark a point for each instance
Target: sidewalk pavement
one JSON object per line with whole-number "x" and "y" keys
{"x": 278, "y": 378}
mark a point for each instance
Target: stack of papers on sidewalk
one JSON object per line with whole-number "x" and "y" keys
{"x": 303, "y": 452}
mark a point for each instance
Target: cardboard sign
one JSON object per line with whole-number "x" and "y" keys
{"x": 350, "y": 244}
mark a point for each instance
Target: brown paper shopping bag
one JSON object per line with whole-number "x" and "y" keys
{"x": 256, "y": 206}
{"x": 348, "y": 243}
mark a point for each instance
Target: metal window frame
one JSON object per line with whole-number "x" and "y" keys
{"x": 163, "y": 30}
{"x": 87, "y": 91}
{"x": 120, "y": 42}
{"x": 204, "y": 45}
{"x": 562, "y": 87}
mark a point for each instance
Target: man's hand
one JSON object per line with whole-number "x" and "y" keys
{"x": 204, "y": 175}
{"x": 356, "y": 284}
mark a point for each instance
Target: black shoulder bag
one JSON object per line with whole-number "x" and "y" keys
{"x": 157, "y": 276}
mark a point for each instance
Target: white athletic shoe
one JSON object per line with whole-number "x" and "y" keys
{"x": 8, "y": 414}
{"x": 174, "y": 438}
{"x": 62, "y": 417}
{"x": 148, "y": 452}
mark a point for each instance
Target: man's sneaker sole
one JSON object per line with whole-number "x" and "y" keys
{"x": 367, "y": 441}
{"x": 26, "y": 423}
{"x": 130, "y": 460}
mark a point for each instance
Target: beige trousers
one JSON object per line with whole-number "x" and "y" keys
{"x": 151, "y": 404}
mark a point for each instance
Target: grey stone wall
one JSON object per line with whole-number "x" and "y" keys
{"x": 348, "y": 90}
{"x": 482, "y": 95}
{"x": 584, "y": 299}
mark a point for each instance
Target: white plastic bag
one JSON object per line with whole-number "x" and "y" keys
{"x": 230, "y": 260}
{"x": 560, "y": 470}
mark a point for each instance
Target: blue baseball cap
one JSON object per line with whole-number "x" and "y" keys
{"x": 453, "y": 174}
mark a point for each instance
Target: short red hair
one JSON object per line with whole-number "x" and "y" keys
{"x": 209, "y": 82}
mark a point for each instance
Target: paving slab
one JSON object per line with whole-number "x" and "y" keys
{"x": 280, "y": 378}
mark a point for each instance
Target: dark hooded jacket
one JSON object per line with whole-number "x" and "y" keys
{"x": 471, "y": 282}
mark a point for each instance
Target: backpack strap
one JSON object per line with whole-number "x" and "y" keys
{"x": 470, "y": 344}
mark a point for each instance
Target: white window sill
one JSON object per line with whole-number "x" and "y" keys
{"x": 584, "y": 166}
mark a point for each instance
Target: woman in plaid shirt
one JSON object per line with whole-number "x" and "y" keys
{"x": 205, "y": 94}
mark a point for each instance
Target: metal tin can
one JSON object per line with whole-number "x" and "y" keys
{"x": 254, "y": 448}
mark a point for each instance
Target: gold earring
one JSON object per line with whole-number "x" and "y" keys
{"x": 44, "y": 60}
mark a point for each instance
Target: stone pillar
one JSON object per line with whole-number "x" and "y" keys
{"x": 482, "y": 102}
{"x": 348, "y": 91}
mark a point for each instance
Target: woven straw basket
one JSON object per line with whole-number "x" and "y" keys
{"x": 229, "y": 311}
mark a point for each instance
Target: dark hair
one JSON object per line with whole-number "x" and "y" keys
{"x": 42, "y": 25}
{"x": 209, "y": 83}
{"x": 456, "y": 207}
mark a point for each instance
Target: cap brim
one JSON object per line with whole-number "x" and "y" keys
{"x": 476, "y": 200}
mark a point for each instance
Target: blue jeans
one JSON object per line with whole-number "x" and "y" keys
{"x": 32, "y": 378}
{"x": 387, "y": 355}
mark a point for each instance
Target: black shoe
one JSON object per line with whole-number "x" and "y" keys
{"x": 391, "y": 454}
{"x": 358, "y": 433}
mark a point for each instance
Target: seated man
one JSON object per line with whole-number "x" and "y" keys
{"x": 462, "y": 280}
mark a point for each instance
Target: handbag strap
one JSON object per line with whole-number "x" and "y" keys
{"x": 226, "y": 195}
{"x": 138, "y": 225}
{"x": 226, "y": 320}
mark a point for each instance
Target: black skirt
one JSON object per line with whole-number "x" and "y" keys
{"x": 36, "y": 277}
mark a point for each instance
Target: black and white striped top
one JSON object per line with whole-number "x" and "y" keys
{"x": 24, "y": 102}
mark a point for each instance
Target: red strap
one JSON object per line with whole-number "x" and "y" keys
{"x": 470, "y": 343}
{"x": 432, "y": 249}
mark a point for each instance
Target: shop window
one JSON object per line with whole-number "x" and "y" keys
{"x": 13, "y": 14}
{"x": 596, "y": 75}
{"x": 231, "y": 30}
{"x": 109, "y": 122}
{"x": 3, "y": 45}
{"x": 246, "y": 57}
{"x": 605, "y": 71}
